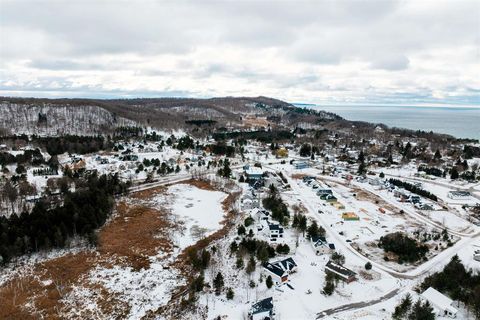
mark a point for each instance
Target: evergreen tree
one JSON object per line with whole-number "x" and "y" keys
{"x": 402, "y": 309}
{"x": 269, "y": 282}
{"x": 218, "y": 283}
{"x": 239, "y": 264}
{"x": 454, "y": 173}
{"x": 251, "y": 265}
{"x": 241, "y": 230}
{"x": 230, "y": 294}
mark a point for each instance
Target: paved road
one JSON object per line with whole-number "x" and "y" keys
{"x": 172, "y": 179}
{"x": 357, "y": 305}
{"x": 419, "y": 271}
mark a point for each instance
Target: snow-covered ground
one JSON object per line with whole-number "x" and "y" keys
{"x": 200, "y": 211}
{"x": 148, "y": 289}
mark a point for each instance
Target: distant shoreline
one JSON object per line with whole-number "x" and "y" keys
{"x": 460, "y": 122}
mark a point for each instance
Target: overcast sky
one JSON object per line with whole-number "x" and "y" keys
{"x": 326, "y": 52}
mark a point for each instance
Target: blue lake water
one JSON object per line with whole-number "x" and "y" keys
{"x": 460, "y": 122}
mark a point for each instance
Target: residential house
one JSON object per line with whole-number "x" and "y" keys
{"x": 274, "y": 232}
{"x": 281, "y": 153}
{"x": 415, "y": 199}
{"x": 307, "y": 178}
{"x": 441, "y": 304}
{"x": 280, "y": 270}
{"x": 350, "y": 216}
{"x": 329, "y": 198}
{"x": 459, "y": 195}
{"x": 253, "y": 174}
{"x": 301, "y": 165}
{"x": 324, "y": 192}
{"x": 424, "y": 206}
{"x": 262, "y": 310}
{"x": 249, "y": 201}
{"x": 321, "y": 246}
{"x": 345, "y": 274}
{"x": 376, "y": 182}
{"x": 476, "y": 255}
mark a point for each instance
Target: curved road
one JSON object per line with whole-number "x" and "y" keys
{"x": 416, "y": 273}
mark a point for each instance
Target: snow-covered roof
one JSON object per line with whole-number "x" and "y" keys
{"x": 439, "y": 300}
{"x": 254, "y": 171}
{"x": 281, "y": 267}
{"x": 338, "y": 269}
{"x": 264, "y": 305}
{"x": 459, "y": 193}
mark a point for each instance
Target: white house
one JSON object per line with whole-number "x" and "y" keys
{"x": 249, "y": 201}
{"x": 274, "y": 232}
{"x": 321, "y": 246}
{"x": 280, "y": 270}
{"x": 441, "y": 303}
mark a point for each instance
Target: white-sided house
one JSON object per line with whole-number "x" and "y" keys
{"x": 441, "y": 303}
{"x": 280, "y": 270}
{"x": 262, "y": 217}
{"x": 321, "y": 246}
{"x": 249, "y": 202}
{"x": 274, "y": 232}
{"x": 459, "y": 195}
{"x": 262, "y": 310}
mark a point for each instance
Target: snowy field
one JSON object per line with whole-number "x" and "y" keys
{"x": 149, "y": 289}
{"x": 199, "y": 211}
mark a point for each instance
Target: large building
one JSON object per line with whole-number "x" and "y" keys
{"x": 440, "y": 303}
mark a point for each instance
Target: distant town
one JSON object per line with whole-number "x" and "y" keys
{"x": 236, "y": 208}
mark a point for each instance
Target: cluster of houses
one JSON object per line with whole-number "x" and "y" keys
{"x": 280, "y": 271}
{"x": 324, "y": 194}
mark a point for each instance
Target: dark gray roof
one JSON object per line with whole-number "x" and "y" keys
{"x": 318, "y": 238}
{"x": 339, "y": 269}
{"x": 262, "y": 306}
{"x": 280, "y": 267}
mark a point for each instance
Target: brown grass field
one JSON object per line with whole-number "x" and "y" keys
{"x": 137, "y": 231}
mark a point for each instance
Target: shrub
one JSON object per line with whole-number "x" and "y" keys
{"x": 405, "y": 247}
{"x": 269, "y": 282}
{"x": 230, "y": 294}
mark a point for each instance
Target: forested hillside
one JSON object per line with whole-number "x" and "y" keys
{"x": 54, "y": 117}
{"x": 44, "y": 118}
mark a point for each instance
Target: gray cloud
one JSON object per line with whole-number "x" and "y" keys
{"x": 311, "y": 48}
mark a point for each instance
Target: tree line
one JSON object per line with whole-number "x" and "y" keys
{"x": 45, "y": 227}
{"x": 413, "y": 188}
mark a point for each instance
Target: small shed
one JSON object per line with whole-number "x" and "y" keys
{"x": 350, "y": 216}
